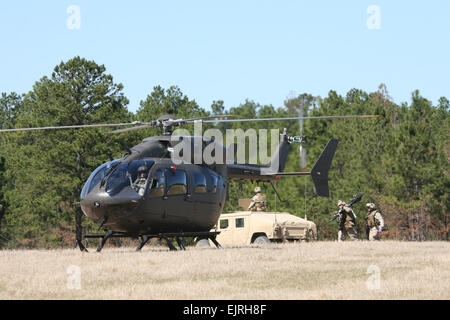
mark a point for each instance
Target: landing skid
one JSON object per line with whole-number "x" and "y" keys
{"x": 178, "y": 236}
{"x": 3, "y": 237}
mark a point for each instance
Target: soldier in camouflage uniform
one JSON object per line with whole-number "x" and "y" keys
{"x": 375, "y": 222}
{"x": 141, "y": 181}
{"x": 346, "y": 222}
{"x": 259, "y": 202}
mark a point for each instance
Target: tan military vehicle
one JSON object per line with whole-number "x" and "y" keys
{"x": 247, "y": 227}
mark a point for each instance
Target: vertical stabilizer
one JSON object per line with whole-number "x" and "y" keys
{"x": 319, "y": 172}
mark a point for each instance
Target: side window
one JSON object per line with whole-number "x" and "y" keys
{"x": 223, "y": 223}
{"x": 199, "y": 183}
{"x": 214, "y": 180}
{"x": 176, "y": 182}
{"x": 239, "y": 222}
{"x": 157, "y": 186}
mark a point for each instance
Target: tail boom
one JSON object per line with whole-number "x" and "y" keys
{"x": 319, "y": 172}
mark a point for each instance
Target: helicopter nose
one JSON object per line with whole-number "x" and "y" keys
{"x": 99, "y": 205}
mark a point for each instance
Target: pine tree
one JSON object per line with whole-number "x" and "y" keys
{"x": 47, "y": 169}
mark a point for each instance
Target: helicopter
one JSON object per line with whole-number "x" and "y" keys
{"x": 147, "y": 194}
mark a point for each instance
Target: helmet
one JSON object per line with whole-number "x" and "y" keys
{"x": 257, "y": 189}
{"x": 142, "y": 169}
{"x": 340, "y": 202}
{"x": 370, "y": 205}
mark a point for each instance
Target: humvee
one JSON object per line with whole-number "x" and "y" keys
{"x": 259, "y": 227}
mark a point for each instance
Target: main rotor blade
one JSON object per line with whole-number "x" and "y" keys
{"x": 72, "y": 127}
{"x": 217, "y": 119}
{"x": 133, "y": 128}
{"x": 218, "y": 116}
{"x": 293, "y": 118}
{"x": 170, "y": 122}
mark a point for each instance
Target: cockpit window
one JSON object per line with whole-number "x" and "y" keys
{"x": 132, "y": 174}
{"x": 96, "y": 176}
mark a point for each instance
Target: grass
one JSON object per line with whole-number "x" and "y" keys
{"x": 320, "y": 270}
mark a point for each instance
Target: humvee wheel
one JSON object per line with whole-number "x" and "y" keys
{"x": 203, "y": 243}
{"x": 261, "y": 240}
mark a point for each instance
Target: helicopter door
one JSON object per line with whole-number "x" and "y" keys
{"x": 154, "y": 203}
{"x": 178, "y": 205}
{"x": 204, "y": 197}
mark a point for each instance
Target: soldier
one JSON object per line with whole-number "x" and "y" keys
{"x": 259, "y": 202}
{"x": 141, "y": 181}
{"x": 375, "y": 222}
{"x": 347, "y": 221}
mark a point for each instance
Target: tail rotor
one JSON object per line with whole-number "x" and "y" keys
{"x": 302, "y": 148}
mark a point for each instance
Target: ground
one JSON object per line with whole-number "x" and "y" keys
{"x": 319, "y": 270}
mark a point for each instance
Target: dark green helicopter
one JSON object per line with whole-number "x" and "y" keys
{"x": 146, "y": 194}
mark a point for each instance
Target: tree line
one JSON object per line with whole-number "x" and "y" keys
{"x": 400, "y": 159}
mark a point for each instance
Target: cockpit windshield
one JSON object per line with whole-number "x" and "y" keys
{"x": 96, "y": 177}
{"x": 132, "y": 174}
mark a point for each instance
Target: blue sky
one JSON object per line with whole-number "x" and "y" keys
{"x": 233, "y": 50}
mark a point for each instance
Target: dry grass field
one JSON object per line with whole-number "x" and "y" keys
{"x": 321, "y": 270}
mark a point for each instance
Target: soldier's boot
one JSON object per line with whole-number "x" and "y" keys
{"x": 340, "y": 236}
